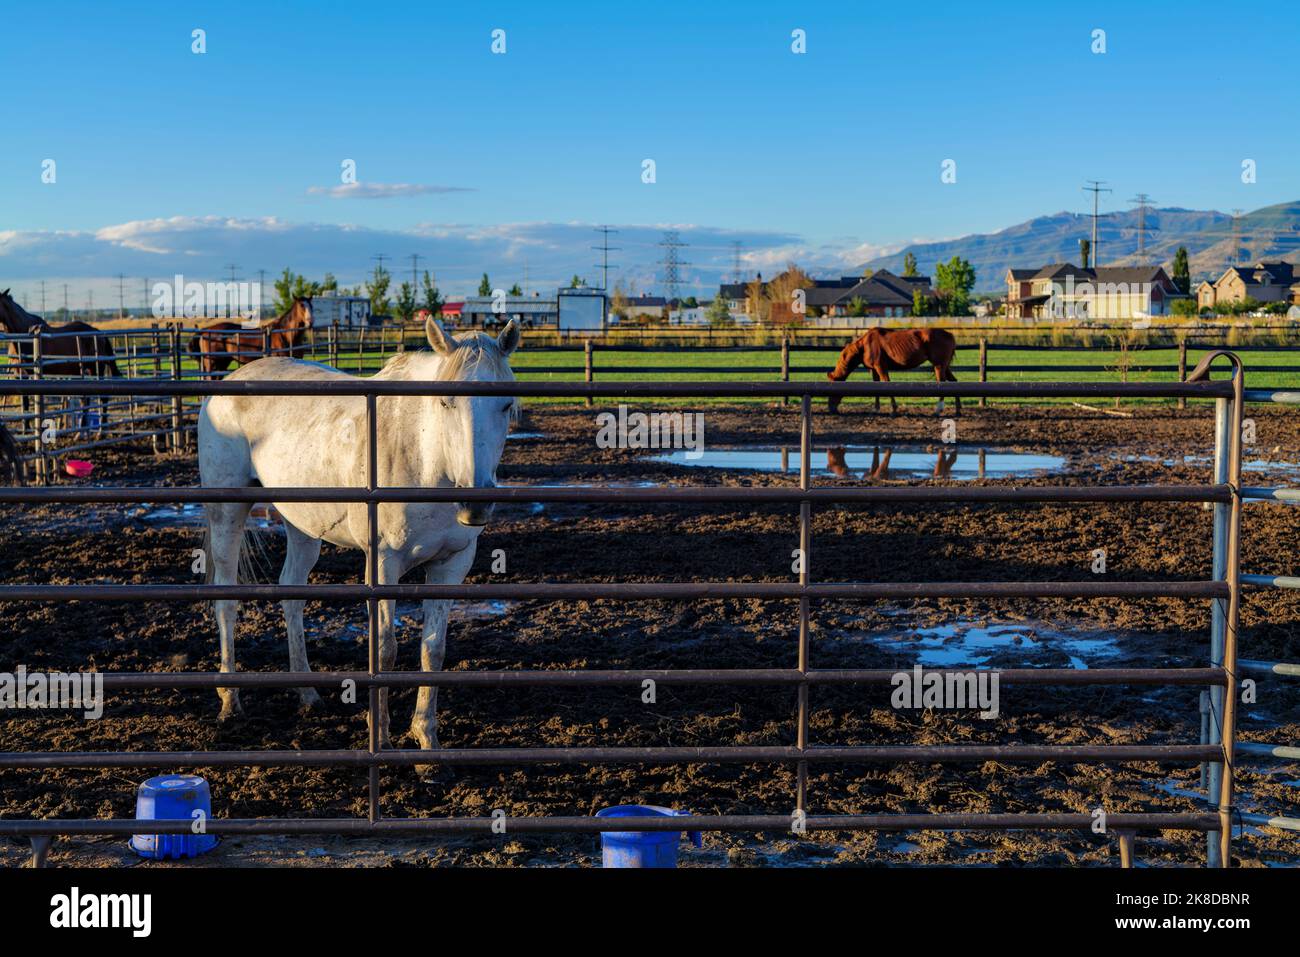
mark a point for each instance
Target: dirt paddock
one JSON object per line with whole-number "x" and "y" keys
{"x": 626, "y": 542}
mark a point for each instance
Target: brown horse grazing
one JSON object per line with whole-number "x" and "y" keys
{"x": 222, "y": 343}
{"x": 895, "y": 350}
{"x": 74, "y": 348}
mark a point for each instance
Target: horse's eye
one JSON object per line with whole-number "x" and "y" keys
{"x": 446, "y": 401}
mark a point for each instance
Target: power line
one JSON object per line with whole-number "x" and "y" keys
{"x": 1096, "y": 187}
{"x": 605, "y": 249}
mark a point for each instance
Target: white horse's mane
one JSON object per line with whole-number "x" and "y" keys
{"x": 475, "y": 353}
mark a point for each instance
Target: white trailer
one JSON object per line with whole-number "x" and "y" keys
{"x": 348, "y": 311}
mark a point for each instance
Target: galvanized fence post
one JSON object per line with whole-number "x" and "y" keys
{"x": 785, "y": 365}
{"x": 1218, "y": 609}
{"x": 38, "y": 364}
{"x": 1182, "y": 371}
{"x": 589, "y": 372}
{"x": 176, "y": 437}
{"x": 984, "y": 368}
{"x": 805, "y": 545}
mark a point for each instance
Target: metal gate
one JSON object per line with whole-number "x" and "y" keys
{"x": 1216, "y": 748}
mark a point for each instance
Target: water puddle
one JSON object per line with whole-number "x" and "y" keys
{"x": 262, "y": 516}
{"x": 876, "y": 463}
{"x": 967, "y": 643}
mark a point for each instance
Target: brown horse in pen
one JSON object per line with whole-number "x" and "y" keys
{"x": 896, "y": 350}
{"x": 222, "y": 343}
{"x": 74, "y": 348}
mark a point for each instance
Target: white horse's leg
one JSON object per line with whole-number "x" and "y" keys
{"x": 433, "y": 646}
{"x": 225, "y": 538}
{"x": 300, "y": 557}
{"x": 390, "y": 573}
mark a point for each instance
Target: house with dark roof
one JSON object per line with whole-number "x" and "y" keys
{"x": 881, "y": 294}
{"x": 1263, "y": 282}
{"x": 1067, "y": 291}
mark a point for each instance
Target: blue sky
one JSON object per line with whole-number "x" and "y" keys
{"x": 171, "y": 161}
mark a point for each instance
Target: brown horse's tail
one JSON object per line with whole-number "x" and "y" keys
{"x": 942, "y": 346}
{"x": 108, "y": 358}
{"x": 11, "y": 462}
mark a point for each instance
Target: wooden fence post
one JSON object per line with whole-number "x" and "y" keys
{"x": 590, "y": 376}
{"x": 984, "y": 368}
{"x": 1182, "y": 371}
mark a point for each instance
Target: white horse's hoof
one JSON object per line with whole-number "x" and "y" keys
{"x": 309, "y": 700}
{"x": 435, "y": 773}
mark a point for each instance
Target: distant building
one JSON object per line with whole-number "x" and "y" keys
{"x": 1067, "y": 291}
{"x": 645, "y": 307}
{"x": 1263, "y": 282}
{"x": 529, "y": 310}
{"x": 880, "y": 294}
{"x": 348, "y": 311}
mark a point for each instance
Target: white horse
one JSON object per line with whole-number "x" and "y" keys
{"x": 424, "y": 441}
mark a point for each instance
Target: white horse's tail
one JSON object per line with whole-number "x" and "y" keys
{"x": 254, "y": 558}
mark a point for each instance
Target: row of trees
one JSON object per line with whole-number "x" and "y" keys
{"x": 407, "y": 301}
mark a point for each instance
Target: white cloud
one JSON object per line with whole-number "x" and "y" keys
{"x": 383, "y": 190}
{"x": 201, "y": 247}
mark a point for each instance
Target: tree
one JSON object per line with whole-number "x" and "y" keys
{"x": 954, "y": 280}
{"x": 1085, "y": 251}
{"x": 618, "y": 301}
{"x": 1182, "y": 271}
{"x": 377, "y": 290}
{"x": 485, "y": 286}
{"x": 291, "y": 285}
{"x": 1184, "y": 307}
{"x": 577, "y": 281}
{"x": 909, "y": 268}
{"x": 329, "y": 283}
{"x": 780, "y": 295}
{"x": 432, "y": 297}
{"x": 718, "y": 314}
{"x": 857, "y": 307}
{"x": 920, "y": 303}
{"x": 514, "y": 290}
{"x": 406, "y": 302}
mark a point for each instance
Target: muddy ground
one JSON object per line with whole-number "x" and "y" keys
{"x": 665, "y": 543}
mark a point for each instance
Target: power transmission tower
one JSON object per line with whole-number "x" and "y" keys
{"x": 672, "y": 263}
{"x": 605, "y": 249}
{"x": 1236, "y": 237}
{"x": 379, "y": 258}
{"x": 1096, "y": 187}
{"x": 415, "y": 271}
{"x": 1142, "y": 200}
{"x": 42, "y": 298}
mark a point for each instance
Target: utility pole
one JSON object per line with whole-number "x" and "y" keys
{"x": 121, "y": 296}
{"x": 42, "y": 298}
{"x": 1236, "y": 237}
{"x": 1096, "y": 187}
{"x": 230, "y": 300}
{"x": 672, "y": 263}
{"x": 66, "y": 315}
{"x": 736, "y": 276}
{"x": 605, "y": 249}
{"x": 1142, "y": 200}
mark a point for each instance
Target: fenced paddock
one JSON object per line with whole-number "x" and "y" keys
{"x": 1218, "y": 749}
{"x": 51, "y": 426}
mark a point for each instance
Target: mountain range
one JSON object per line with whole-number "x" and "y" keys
{"x": 1272, "y": 232}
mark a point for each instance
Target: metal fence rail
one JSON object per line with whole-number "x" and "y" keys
{"x": 1223, "y": 591}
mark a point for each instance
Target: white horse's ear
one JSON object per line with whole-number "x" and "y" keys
{"x": 508, "y": 341}
{"x": 438, "y": 338}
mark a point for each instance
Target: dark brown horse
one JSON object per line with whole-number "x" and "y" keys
{"x": 895, "y": 350}
{"x": 222, "y": 343}
{"x": 74, "y": 348}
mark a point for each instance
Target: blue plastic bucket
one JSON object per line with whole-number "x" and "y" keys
{"x": 642, "y": 848}
{"x": 173, "y": 797}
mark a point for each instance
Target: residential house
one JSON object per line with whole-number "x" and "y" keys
{"x": 880, "y": 294}
{"x": 1263, "y": 282}
{"x": 1067, "y": 291}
